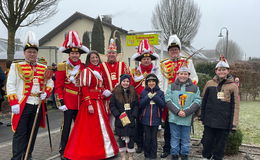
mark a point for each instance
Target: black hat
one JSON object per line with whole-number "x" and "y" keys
{"x": 124, "y": 76}
{"x": 30, "y": 41}
{"x": 151, "y": 77}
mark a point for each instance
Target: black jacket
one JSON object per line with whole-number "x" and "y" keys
{"x": 117, "y": 102}
{"x": 216, "y": 112}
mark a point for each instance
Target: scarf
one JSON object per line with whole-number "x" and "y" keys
{"x": 146, "y": 69}
{"x": 74, "y": 63}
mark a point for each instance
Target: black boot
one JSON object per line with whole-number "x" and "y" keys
{"x": 164, "y": 154}
{"x": 175, "y": 157}
{"x": 63, "y": 158}
{"x": 139, "y": 149}
{"x": 184, "y": 157}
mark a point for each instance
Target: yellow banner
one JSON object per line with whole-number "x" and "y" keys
{"x": 134, "y": 40}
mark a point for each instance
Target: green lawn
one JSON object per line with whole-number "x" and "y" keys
{"x": 249, "y": 123}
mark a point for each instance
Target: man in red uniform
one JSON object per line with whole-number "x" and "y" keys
{"x": 145, "y": 55}
{"x": 111, "y": 70}
{"x": 27, "y": 85}
{"x": 169, "y": 68}
{"x": 66, "y": 89}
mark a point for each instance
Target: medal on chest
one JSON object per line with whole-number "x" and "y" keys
{"x": 113, "y": 76}
{"x": 127, "y": 106}
{"x": 220, "y": 95}
{"x": 152, "y": 102}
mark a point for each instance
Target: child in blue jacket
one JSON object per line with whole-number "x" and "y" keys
{"x": 183, "y": 100}
{"x": 152, "y": 101}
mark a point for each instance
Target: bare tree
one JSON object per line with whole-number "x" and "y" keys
{"x": 21, "y": 13}
{"x": 234, "y": 51}
{"x": 180, "y": 17}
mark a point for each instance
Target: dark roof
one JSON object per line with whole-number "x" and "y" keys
{"x": 70, "y": 20}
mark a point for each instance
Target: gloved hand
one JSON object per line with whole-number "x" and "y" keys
{"x": 63, "y": 108}
{"x": 106, "y": 93}
{"x": 90, "y": 109}
{"x": 150, "y": 94}
{"x": 43, "y": 96}
{"x": 16, "y": 109}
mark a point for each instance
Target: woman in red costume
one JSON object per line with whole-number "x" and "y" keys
{"x": 92, "y": 137}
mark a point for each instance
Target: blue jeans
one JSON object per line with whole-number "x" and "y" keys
{"x": 180, "y": 139}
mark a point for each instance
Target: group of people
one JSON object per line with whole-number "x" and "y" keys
{"x": 105, "y": 99}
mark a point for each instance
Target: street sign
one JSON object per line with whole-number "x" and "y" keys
{"x": 134, "y": 40}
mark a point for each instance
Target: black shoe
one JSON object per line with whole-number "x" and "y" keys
{"x": 184, "y": 157}
{"x": 164, "y": 154}
{"x": 139, "y": 150}
{"x": 175, "y": 157}
{"x": 63, "y": 158}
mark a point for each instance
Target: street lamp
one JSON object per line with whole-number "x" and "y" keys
{"x": 220, "y": 35}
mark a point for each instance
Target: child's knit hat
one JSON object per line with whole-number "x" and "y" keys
{"x": 124, "y": 76}
{"x": 151, "y": 77}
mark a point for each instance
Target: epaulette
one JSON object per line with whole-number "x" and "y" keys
{"x": 133, "y": 71}
{"x": 165, "y": 59}
{"x": 61, "y": 67}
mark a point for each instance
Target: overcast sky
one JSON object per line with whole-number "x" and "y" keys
{"x": 241, "y": 17}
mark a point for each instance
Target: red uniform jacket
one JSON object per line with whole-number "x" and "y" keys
{"x": 66, "y": 90}
{"x": 111, "y": 73}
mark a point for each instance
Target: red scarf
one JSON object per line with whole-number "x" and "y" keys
{"x": 74, "y": 63}
{"x": 95, "y": 67}
{"x": 146, "y": 69}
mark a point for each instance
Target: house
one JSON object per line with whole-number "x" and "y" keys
{"x": 81, "y": 23}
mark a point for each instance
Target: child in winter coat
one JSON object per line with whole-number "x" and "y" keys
{"x": 124, "y": 106}
{"x": 152, "y": 103}
{"x": 219, "y": 111}
{"x": 183, "y": 100}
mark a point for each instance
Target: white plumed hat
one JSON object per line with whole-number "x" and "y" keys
{"x": 30, "y": 41}
{"x": 174, "y": 41}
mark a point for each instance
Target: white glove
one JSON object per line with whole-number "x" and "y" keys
{"x": 16, "y": 109}
{"x": 63, "y": 108}
{"x": 43, "y": 96}
{"x": 106, "y": 93}
{"x": 90, "y": 109}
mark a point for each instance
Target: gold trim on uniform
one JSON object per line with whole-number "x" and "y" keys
{"x": 70, "y": 67}
{"x": 26, "y": 86}
{"x": 12, "y": 96}
{"x": 61, "y": 67}
{"x": 71, "y": 91}
{"x": 86, "y": 98}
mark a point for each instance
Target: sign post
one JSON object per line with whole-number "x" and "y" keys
{"x": 134, "y": 40}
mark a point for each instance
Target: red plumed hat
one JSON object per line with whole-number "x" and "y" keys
{"x": 144, "y": 50}
{"x": 72, "y": 43}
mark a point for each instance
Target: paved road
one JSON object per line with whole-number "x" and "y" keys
{"x": 55, "y": 118}
{"x": 42, "y": 150}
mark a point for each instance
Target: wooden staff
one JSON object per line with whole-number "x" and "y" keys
{"x": 48, "y": 75}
